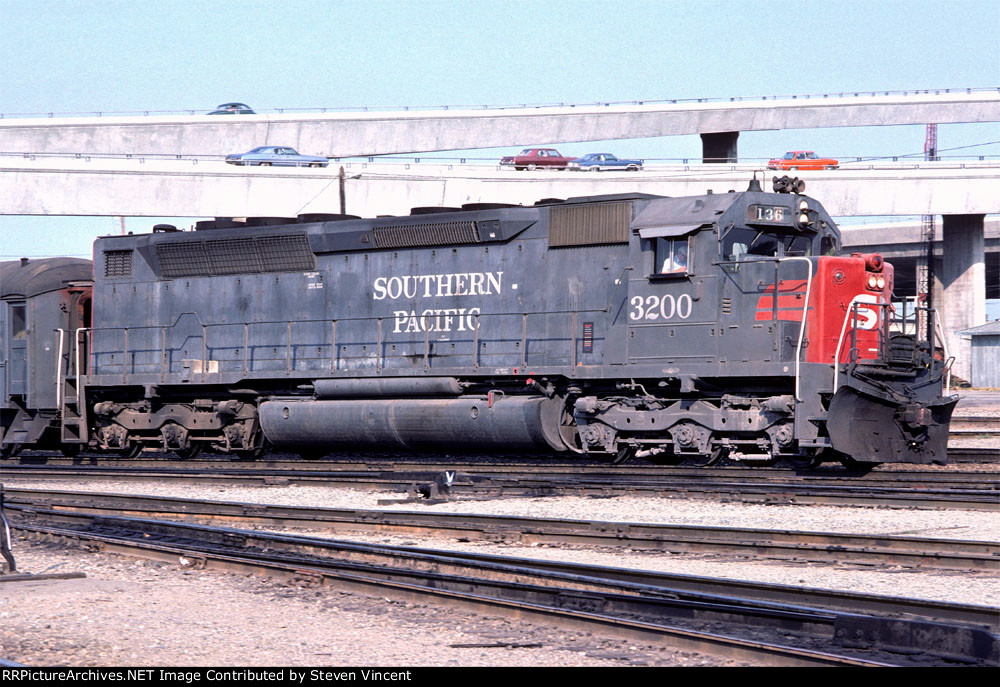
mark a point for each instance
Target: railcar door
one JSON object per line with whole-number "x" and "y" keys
{"x": 18, "y": 348}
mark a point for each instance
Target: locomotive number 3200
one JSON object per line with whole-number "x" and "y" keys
{"x": 655, "y": 307}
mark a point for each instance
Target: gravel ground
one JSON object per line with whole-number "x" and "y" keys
{"x": 188, "y": 618}
{"x": 130, "y": 612}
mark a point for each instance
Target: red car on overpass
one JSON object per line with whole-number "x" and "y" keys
{"x": 802, "y": 159}
{"x": 535, "y": 158}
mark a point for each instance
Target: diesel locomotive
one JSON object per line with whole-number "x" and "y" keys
{"x": 631, "y": 325}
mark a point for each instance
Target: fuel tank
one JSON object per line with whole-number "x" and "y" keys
{"x": 504, "y": 425}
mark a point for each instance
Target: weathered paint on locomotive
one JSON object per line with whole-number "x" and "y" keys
{"x": 650, "y": 321}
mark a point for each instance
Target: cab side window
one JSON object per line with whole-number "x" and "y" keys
{"x": 671, "y": 256}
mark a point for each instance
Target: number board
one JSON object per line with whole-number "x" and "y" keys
{"x": 771, "y": 214}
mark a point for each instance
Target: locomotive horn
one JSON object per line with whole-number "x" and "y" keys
{"x": 798, "y": 186}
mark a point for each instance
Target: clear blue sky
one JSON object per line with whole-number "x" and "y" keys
{"x": 110, "y": 55}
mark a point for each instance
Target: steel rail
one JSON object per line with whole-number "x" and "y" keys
{"x": 803, "y": 546}
{"x": 424, "y": 485}
{"x": 408, "y": 470}
{"x": 606, "y": 601}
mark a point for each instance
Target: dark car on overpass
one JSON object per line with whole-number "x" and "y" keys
{"x": 232, "y": 108}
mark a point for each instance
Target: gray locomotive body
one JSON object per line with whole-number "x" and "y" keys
{"x": 670, "y": 328}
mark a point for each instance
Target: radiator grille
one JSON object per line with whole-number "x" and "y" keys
{"x": 433, "y": 234}
{"x": 236, "y": 256}
{"x": 581, "y": 225}
{"x": 118, "y": 263}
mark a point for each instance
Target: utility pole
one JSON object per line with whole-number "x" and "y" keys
{"x": 927, "y": 225}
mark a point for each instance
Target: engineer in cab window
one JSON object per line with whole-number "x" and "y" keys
{"x": 672, "y": 256}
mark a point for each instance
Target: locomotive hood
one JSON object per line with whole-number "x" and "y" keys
{"x": 27, "y": 278}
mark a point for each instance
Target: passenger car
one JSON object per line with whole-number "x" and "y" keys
{"x": 595, "y": 162}
{"x": 265, "y": 156}
{"x": 802, "y": 159}
{"x": 232, "y": 108}
{"x": 533, "y": 158}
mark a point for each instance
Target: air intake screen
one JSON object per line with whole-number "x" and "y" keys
{"x": 236, "y": 256}
{"x": 436, "y": 234}
{"x": 582, "y": 225}
{"x": 117, "y": 263}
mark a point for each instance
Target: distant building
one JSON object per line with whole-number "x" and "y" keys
{"x": 985, "y": 354}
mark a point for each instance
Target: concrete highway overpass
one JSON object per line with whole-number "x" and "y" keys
{"x": 137, "y": 186}
{"x": 347, "y": 134}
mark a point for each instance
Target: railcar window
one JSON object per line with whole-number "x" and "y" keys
{"x": 672, "y": 256}
{"x": 828, "y": 246}
{"x": 18, "y": 323}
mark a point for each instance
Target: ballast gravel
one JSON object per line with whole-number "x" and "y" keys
{"x": 133, "y": 612}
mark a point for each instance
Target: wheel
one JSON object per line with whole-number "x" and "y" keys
{"x": 130, "y": 450}
{"x": 192, "y": 451}
{"x": 10, "y": 450}
{"x": 793, "y": 169}
{"x": 70, "y": 450}
{"x": 519, "y": 169}
{"x": 315, "y": 164}
{"x": 265, "y": 164}
{"x": 829, "y": 167}
{"x": 250, "y": 453}
{"x": 625, "y": 453}
{"x": 532, "y": 167}
{"x": 633, "y": 168}
{"x": 596, "y": 169}
{"x": 805, "y": 462}
{"x": 853, "y": 465}
{"x": 704, "y": 460}
{"x": 256, "y": 453}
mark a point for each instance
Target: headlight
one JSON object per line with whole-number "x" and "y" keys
{"x": 872, "y": 282}
{"x": 803, "y": 205}
{"x": 881, "y": 282}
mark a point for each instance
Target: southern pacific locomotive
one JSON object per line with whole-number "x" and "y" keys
{"x": 672, "y": 329}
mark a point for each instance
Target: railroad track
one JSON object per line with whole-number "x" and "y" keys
{"x": 891, "y": 550}
{"x": 607, "y": 600}
{"x": 151, "y": 458}
{"x": 970, "y": 491}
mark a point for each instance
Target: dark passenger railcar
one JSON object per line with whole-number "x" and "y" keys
{"x": 42, "y": 303}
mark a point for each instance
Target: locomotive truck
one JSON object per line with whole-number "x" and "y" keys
{"x": 631, "y": 325}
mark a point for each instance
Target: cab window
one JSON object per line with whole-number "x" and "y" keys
{"x": 740, "y": 244}
{"x": 671, "y": 256}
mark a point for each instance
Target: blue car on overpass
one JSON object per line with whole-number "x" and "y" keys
{"x": 279, "y": 156}
{"x": 595, "y": 162}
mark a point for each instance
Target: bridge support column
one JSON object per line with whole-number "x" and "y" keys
{"x": 719, "y": 147}
{"x": 963, "y": 280}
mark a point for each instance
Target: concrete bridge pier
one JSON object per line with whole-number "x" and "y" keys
{"x": 963, "y": 280}
{"x": 719, "y": 147}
